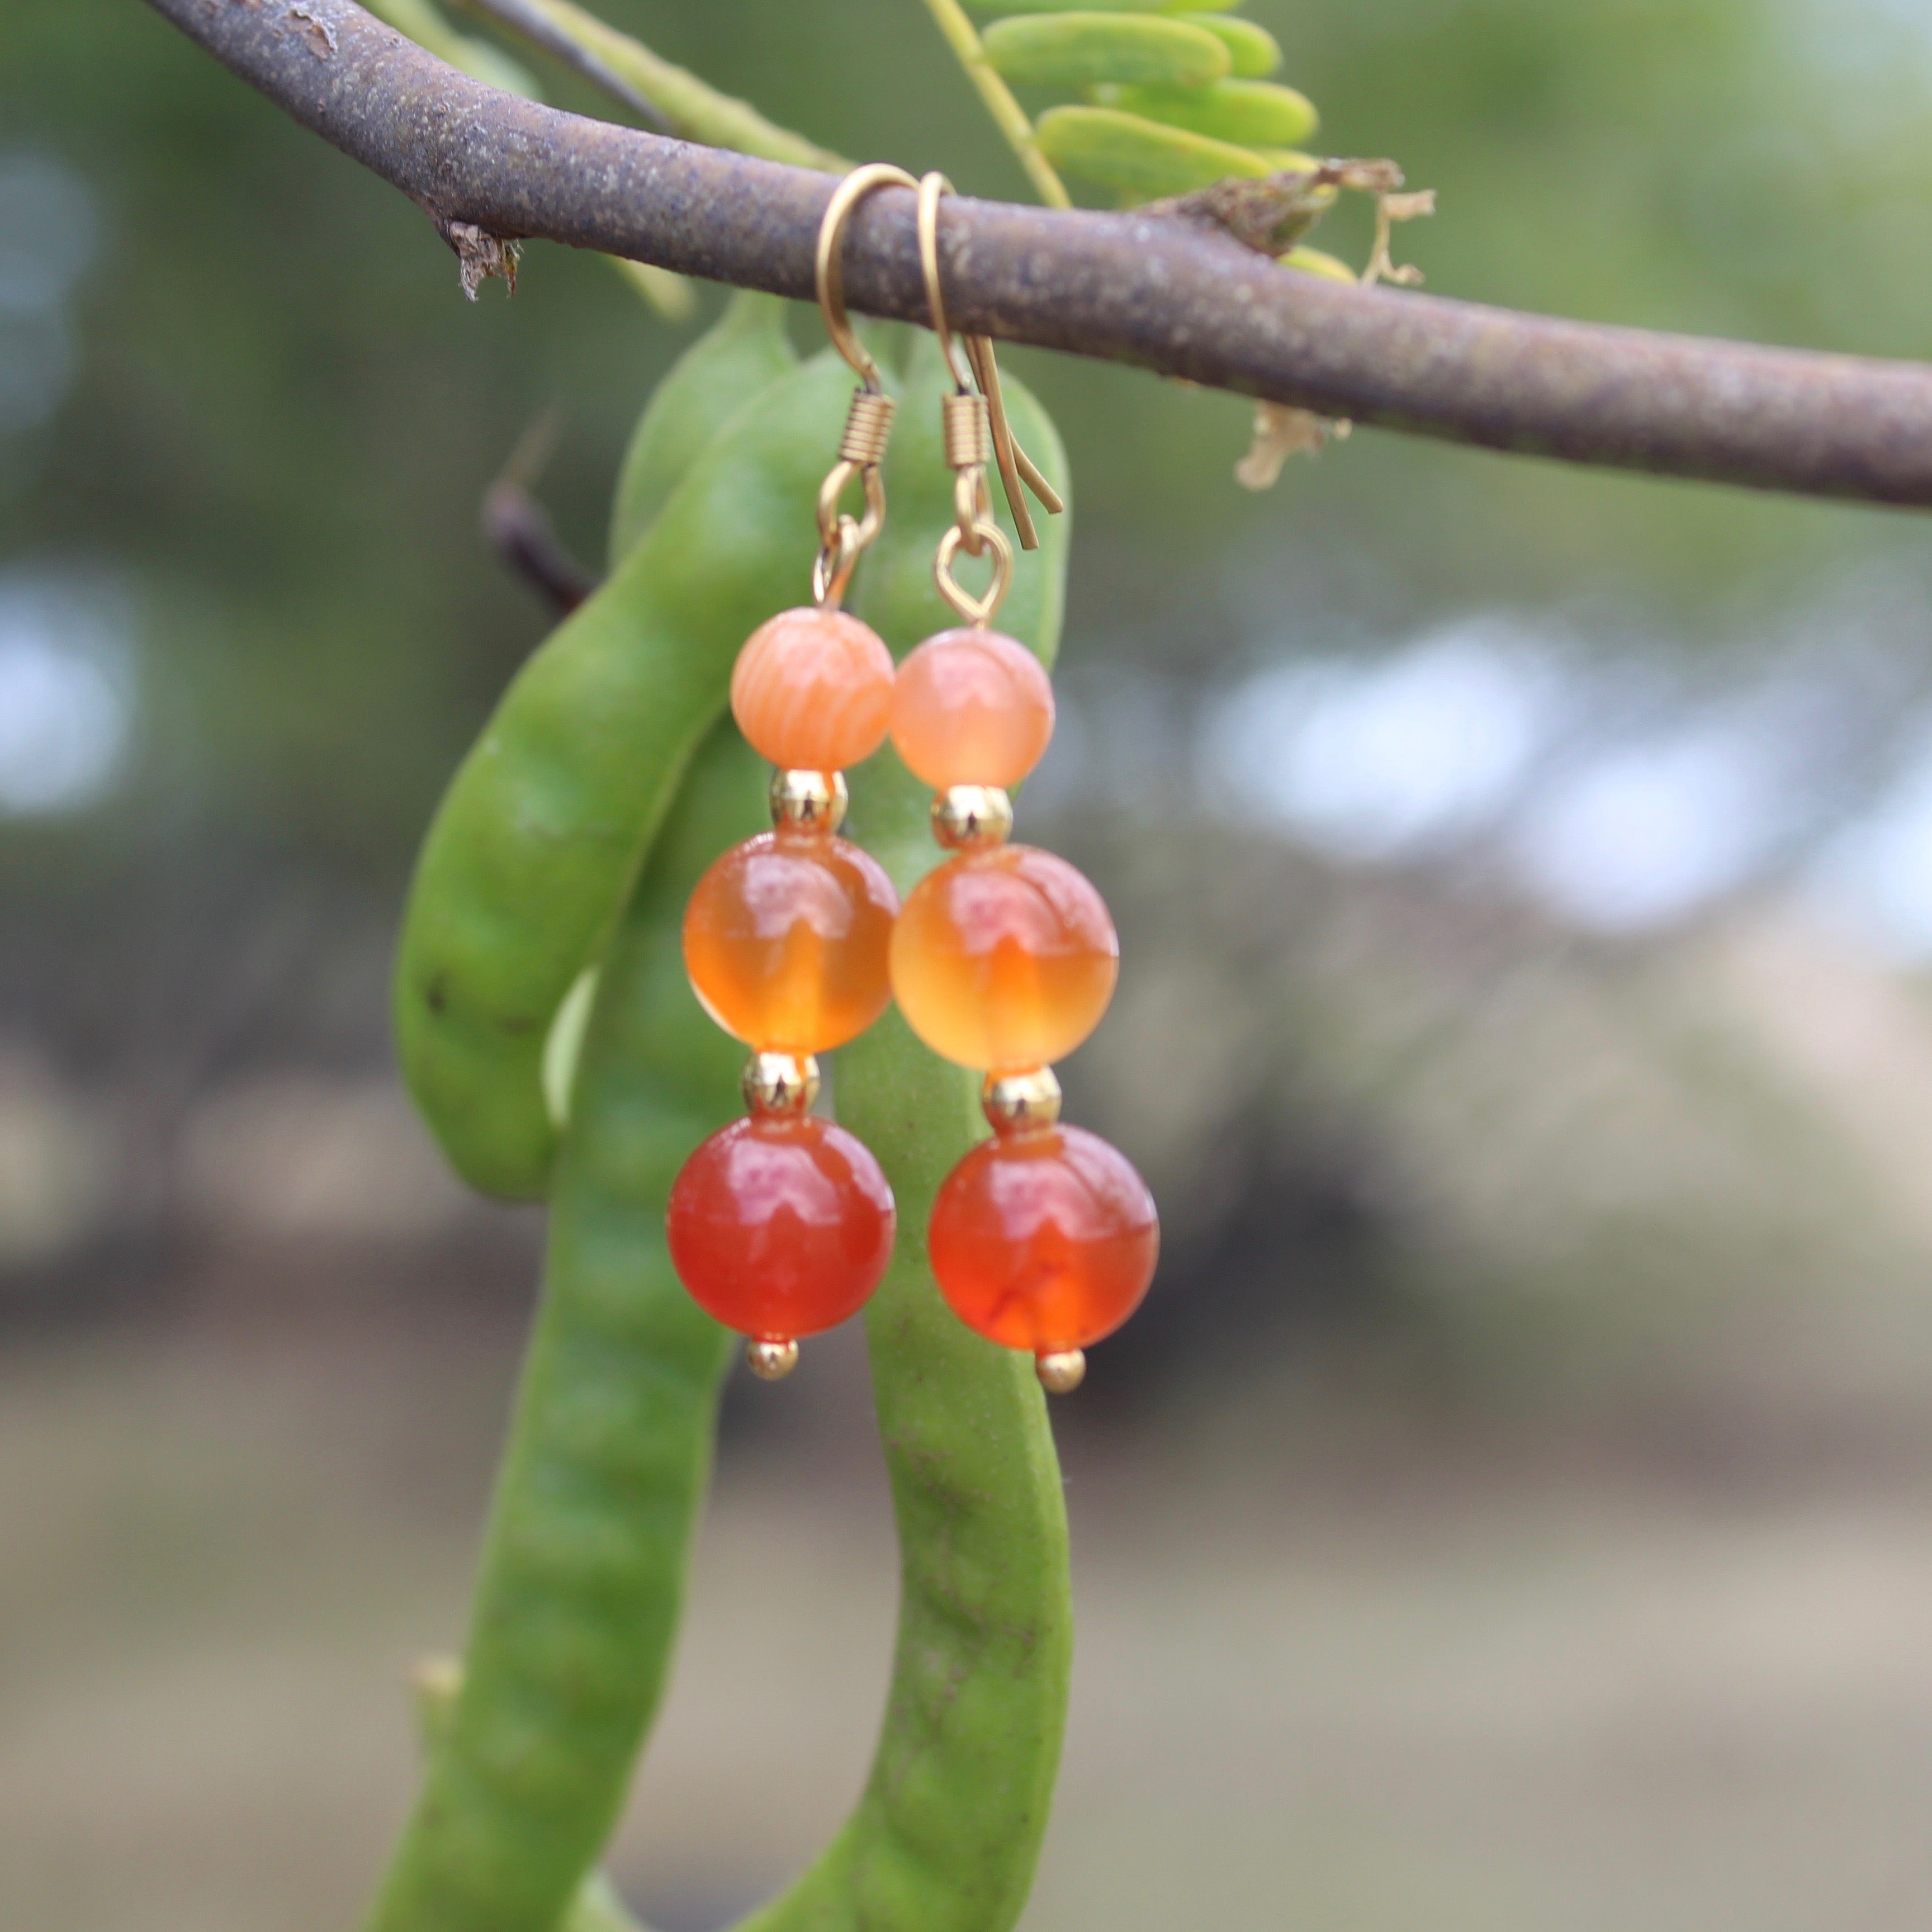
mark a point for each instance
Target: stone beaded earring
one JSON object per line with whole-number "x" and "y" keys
{"x": 781, "y": 1224}
{"x": 1004, "y": 958}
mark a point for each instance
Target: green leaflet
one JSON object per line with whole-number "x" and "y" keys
{"x": 1138, "y": 158}
{"x": 1254, "y": 51}
{"x": 1246, "y": 113}
{"x": 1086, "y": 49}
{"x": 945, "y": 1837}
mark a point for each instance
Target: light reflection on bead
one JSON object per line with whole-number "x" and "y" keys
{"x": 969, "y": 818}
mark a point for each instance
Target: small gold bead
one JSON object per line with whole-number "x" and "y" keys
{"x": 1021, "y": 1103}
{"x": 1063, "y": 1371}
{"x": 809, "y": 801}
{"x": 781, "y": 1083}
{"x": 969, "y": 818}
{"x": 772, "y": 1361}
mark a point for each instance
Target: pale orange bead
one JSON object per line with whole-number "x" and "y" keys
{"x": 1004, "y": 959}
{"x": 785, "y": 940}
{"x": 971, "y": 707}
{"x": 812, "y": 690}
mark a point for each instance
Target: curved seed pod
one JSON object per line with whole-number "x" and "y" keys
{"x": 722, "y": 372}
{"x": 1086, "y": 49}
{"x": 1254, "y": 51}
{"x": 946, "y": 1835}
{"x": 1139, "y": 158}
{"x": 1249, "y": 113}
{"x": 1318, "y": 262}
{"x": 534, "y": 847}
{"x": 589, "y": 1540}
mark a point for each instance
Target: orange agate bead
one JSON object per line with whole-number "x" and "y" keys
{"x": 780, "y": 1228}
{"x": 1044, "y": 1241}
{"x": 1004, "y": 959}
{"x": 812, "y": 690}
{"x": 786, "y": 939}
{"x": 971, "y": 707}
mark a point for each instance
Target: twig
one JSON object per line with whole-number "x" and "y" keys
{"x": 1133, "y": 288}
{"x": 518, "y": 528}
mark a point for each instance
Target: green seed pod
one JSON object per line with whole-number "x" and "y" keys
{"x": 1255, "y": 52}
{"x": 1139, "y": 158}
{"x": 589, "y": 1536}
{"x": 1318, "y": 262}
{"x": 533, "y": 850}
{"x": 946, "y": 1836}
{"x": 1249, "y": 113}
{"x": 1087, "y": 49}
{"x": 723, "y": 370}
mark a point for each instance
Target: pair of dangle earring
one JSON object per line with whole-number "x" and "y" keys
{"x": 1003, "y": 960}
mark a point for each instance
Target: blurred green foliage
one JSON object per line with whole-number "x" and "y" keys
{"x": 283, "y": 414}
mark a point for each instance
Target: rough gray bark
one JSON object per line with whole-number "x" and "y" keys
{"x": 1141, "y": 288}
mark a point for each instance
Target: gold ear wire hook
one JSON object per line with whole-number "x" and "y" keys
{"x": 1015, "y": 467}
{"x": 829, "y": 267}
{"x": 868, "y": 423}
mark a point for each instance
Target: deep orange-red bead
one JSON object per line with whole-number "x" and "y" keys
{"x": 780, "y": 1228}
{"x": 1004, "y": 959}
{"x": 1044, "y": 1241}
{"x": 787, "y": 939}
{"x": 812, "y": 690}
{"x": 971, "y": 707}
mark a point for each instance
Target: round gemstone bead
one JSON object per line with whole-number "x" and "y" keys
{"x": 971, "y": 707}
{"x": 786, "y": 939}
{"x": 812, "y": 690}
{"x": 1004, "y": 959}
{"x": 781, "y": 1227}
{"x": 1046, "y": 1241}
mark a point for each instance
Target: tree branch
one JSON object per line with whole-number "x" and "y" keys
{"x": 1140, "y": 288}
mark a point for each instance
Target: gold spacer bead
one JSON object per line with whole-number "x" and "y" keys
{"x": 1063, "y": 1371}
{"x": 1021, "y": 1103}
{"x": 969, "y": 818}
{"x": 784, "y": 1085}
{"x": 771, "y": 1361}
{"x": 809, "y": 801}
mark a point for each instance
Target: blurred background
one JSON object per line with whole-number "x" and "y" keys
{"x": 1513, "y": 1508}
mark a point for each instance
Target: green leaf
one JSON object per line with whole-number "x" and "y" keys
{"x": 1138, "y": 158}
{"x": 1254, "y": 51}
{"x": 1086, "y": 49}
{"x": 1249, "y": 113}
